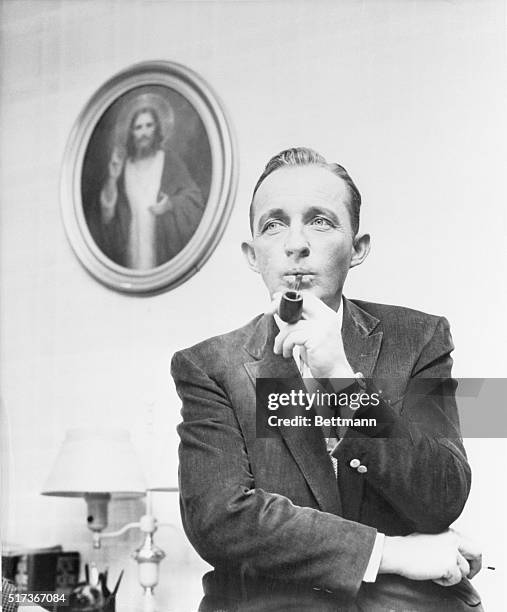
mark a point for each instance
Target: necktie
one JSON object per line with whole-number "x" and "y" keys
{"x": 330, "y": 434}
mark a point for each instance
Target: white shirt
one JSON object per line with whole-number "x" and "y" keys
{"x": 373, "y": 566}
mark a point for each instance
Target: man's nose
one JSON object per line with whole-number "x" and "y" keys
{"x": 297, "y": 244}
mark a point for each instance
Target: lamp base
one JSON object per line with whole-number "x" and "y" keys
{"x": 97, "y": 504}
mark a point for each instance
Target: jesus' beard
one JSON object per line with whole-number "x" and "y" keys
{"x": 145, "y": 148}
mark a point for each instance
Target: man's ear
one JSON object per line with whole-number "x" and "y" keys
{"x": 249, "y": 252}
{"x": 360, "y": 249}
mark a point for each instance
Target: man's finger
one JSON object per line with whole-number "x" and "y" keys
{"x": 471, "y": 552}
{"x": 475, "y": 564}
{"x": 453, "y": 576}
{"x": 474, "y": 561}
{"x": 294, "y": 338}
{"x": 279, "y": 340}
{"x": 463, "y": 565}
{"x": 284, "y": 332}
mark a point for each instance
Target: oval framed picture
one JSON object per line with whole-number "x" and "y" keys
{"x": 149, "y": 178}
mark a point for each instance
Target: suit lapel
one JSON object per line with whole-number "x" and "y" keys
{"x": 362, "y": 345}
{"x": 306, "y": 444}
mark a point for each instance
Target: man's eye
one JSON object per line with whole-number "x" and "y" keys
{"x": 322, "y": 222}
{"x": 272, "y": 226}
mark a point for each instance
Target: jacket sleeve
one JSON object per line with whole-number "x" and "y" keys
{"x": 234, "y": 525}
{"x": 415, "y": 456}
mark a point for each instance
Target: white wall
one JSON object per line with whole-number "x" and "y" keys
{"x": 408, "y": 95}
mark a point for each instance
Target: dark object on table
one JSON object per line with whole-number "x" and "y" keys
{"x": 49, "y": 571}
{"x": 97, "y": 597}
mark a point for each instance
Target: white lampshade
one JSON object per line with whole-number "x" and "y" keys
{"x": 96, "y": 461}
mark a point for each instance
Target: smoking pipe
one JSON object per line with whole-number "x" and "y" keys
{"x": 291, "y": 303}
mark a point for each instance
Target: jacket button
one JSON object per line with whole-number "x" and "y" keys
{"x": 362, "y": 469}
{"x": 355, "y": 463}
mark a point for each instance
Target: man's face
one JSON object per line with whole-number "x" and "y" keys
{"x": 302, "y": 226}
{"x": 143, "y": 131}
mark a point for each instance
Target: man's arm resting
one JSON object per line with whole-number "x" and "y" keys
{"x": 237, "y": 527}
{"x": 415, "y": 458}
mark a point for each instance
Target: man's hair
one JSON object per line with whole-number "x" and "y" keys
{"x": 157, "y": 135}
{"x": 303, "y": 156}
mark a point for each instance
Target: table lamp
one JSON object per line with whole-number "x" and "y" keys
{"x": 96, "y": 464}
{"x": 99, "y": 464}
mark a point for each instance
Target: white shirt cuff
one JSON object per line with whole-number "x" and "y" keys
{"x": 375, "y": 558}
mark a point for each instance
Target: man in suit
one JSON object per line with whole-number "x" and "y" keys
{"x": 286, "y": 524}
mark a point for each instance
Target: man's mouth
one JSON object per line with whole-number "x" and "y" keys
{"x": 299, "y": 277}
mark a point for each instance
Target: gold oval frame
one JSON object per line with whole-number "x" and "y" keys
{"x": 221, "y": 194}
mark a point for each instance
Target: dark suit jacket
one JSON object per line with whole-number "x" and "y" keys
{"x": 267, "y": 512}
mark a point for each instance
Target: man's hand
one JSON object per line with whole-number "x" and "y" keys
{"x": 319, "y": 335}
{"x": 445, "y": 558}
{"x": 116, "y": 164}
{"x": 163, "y": 204}
{"x": 472, "y": 554}
{"x": 109, "y": 192}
